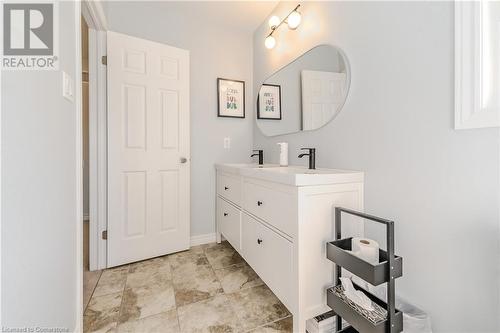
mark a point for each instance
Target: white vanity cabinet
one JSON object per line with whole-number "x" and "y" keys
{"x": 280, "y": 219}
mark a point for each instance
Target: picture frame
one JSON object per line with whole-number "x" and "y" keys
{"x": 269, "y": 102}
{"x": 230, "y": 98}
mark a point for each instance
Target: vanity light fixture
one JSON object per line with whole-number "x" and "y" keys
{"x": 292, "y": 19}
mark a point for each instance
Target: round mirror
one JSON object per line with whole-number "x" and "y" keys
{"x": 306, "y": 94}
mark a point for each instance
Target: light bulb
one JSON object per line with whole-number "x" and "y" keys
{"x": 294, "y": 20}
{"x": 270, "y": 42}
{"x": 274, "y": 21}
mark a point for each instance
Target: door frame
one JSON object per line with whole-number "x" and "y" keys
{"x": 93, "y": 14}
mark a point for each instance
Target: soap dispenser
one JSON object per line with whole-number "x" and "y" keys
{"x": 283, "y": 153}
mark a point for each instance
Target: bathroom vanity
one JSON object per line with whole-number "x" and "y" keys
{"x": 279, "y": 220}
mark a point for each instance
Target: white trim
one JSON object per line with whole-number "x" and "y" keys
{"x": 203, "y": 239}
{"x": 93, "y": 12}
{"x": 468, "y": 69}
{"x": 93, "y": 157}
{"x": 79, "y": 170}
{"x": 97, "y": 150}
{"x": 102, "y": 158}
{"x": 1, "y": 173}
{"x": 94, "y": 16}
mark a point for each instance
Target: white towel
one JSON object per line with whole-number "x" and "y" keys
{"x": 358, "y": 297}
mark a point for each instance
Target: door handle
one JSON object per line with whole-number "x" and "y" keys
{"x": 259, "y": 203}
{"x": 183, "y": 160}
{"x": 226, "y": 188}
{"x": 259, "y": 241}
{"x": 225, "y": 214}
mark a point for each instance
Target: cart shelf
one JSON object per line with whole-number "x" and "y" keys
{"x": 360, "y": 319}
{"x": 338, "y": 252}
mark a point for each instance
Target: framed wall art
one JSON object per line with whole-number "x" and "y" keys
{"x": 230, "y": 98}
{"x": 269, "y": 102}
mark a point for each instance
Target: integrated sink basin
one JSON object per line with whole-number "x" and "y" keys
{"x": 302, "y": 176}
{"x": 238, "y": 167}
{"x": 293, "y": 175}
{"x": 305, "y": 171}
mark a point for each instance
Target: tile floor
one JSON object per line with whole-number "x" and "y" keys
{"x": 209, "y": 288}
{"x": 90, "y": 278}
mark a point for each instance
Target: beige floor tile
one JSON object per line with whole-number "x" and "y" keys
{"x": 102, "y": 313}
{"x": 257, "y": 306}
{"x": 202, "y": 247}
{"x": 165, "y": 322}
{"x": 223, "y": 255}
{"x": 147, "y": 300}
{"x": 148, "y": 272}
{"x": 153, "y": 261}
{"x": 187, "y": 260}
{"x": 198, "y": 248}
{"x": 280, "y": 326}
{"x": 237, "y": 277}
{"x": 112, "y": 281}
{"x": 90, "y": 280}
{"x": 153, "y": 288}
{"x": 212, "y": 315}
{"x": 193, "y": 283}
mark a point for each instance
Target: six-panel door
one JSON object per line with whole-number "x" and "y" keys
{"x": 148, "y": 149}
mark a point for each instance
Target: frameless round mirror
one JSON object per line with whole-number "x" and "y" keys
{"x": 306, "y": 94}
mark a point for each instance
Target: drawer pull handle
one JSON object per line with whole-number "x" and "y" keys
{"x": 225, "y": 214}
{"x": 226, "y": 188}
{"x": 259, "y": 203}
{"x": 259, "y": 241}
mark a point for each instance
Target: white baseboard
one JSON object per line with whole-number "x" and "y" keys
{"x": 203, "y": 239}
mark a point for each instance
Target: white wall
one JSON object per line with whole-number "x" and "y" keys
{"x": 215, "y": 51}
{"x": 440, "y": 185}
{"x": 39, "y": 272}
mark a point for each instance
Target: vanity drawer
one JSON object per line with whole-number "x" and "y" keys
{"x": 276, "y": 207}
{"x": 270, "y": 255}
{"x": 229, "y": 187}
{"x": 229, "y": 220}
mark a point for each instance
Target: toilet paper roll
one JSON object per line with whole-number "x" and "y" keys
{"x": 366, "y": 249}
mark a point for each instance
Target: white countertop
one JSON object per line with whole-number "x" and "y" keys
{"x": 293, "y": 175}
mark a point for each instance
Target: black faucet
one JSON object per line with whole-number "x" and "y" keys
{"x": 260, "y": 154}
{"x": 312, "y": 157}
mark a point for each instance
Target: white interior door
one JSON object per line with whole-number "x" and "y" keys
{"x": 322, "y": 95}
{"x": 148, "y": 149}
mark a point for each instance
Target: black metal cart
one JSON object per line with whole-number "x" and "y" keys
{"x": 387, "y": 270}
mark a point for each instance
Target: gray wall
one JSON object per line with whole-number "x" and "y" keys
{"x": 215, "y": 52}
{"x": 440, "y": 185}
{"x": 39, "y": 281}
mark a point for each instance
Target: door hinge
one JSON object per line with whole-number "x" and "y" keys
{"x": 105, "y": 234}
{"x": 104, "y": 60}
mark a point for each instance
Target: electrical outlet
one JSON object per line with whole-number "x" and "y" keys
{"x": 227, "y": 143}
